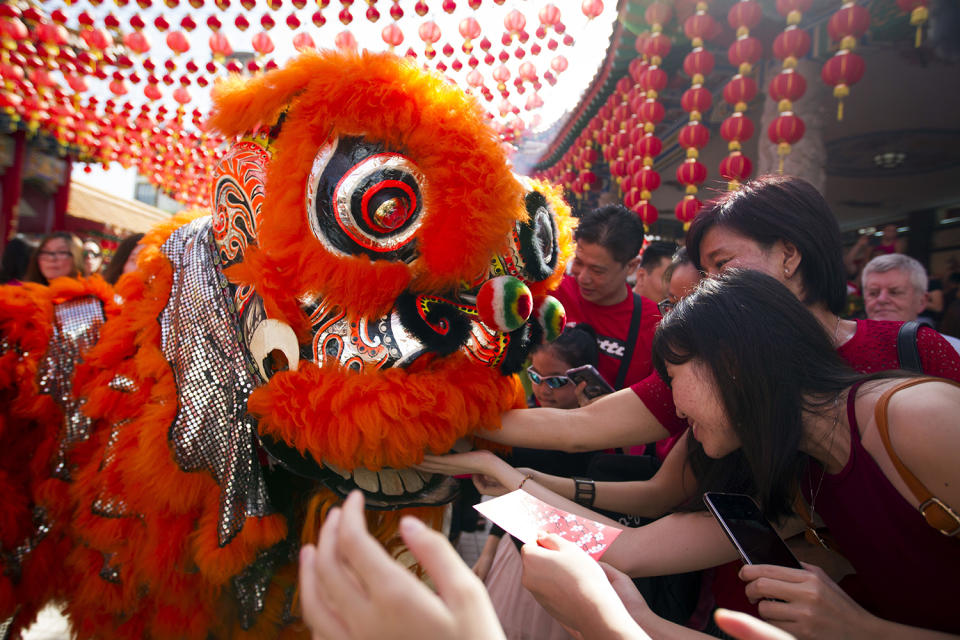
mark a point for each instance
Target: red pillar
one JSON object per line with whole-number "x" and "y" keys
{"x": 12, "y": 182}
{"x": 62, "y": 197}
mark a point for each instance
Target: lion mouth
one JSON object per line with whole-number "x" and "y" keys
{"x": 386, "y": 489}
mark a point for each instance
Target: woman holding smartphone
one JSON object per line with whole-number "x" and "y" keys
{"x": 773, "y": 409}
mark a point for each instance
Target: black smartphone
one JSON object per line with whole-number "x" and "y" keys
{"x": 596, "y": 385}
{"x": 756, "y": 540}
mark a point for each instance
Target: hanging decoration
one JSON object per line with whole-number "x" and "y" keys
{"x": 737, "y": 128}
{"x": 695, "y": 101}
{"x": 788, "y": 47}
{"x": 845, "y": 68}
{"x": 919, "y": 14}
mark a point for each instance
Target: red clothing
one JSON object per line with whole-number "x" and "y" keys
{"x": 872, "y": 348}
{"x": 906, "y": 569}
{"x": 612, "y": 324}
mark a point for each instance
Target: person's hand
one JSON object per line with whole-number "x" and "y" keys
{"x": 351, "y": 589}
{"x": 456, "y": 464}
{"x": 812, "y": 606}
{"x": 743, "y": 626}
{"x": 574, "y": 589}
{"x": 628, "y": 593}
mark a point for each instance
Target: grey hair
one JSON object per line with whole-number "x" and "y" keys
{"x": 891, "y": 261}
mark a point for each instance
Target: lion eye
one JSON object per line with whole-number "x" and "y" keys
{"x": 363, "y": 199}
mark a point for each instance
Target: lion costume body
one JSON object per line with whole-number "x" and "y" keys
{"x": 369, "y": 277}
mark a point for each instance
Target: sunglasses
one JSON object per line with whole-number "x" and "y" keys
{"x": 91, "y": 254}
{"x": 554, "y": 382}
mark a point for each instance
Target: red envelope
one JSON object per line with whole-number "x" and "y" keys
{"x": 524, "y": 516}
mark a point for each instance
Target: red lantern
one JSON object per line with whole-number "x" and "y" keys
{"x": 737, "y": 128}
{"x": 177, "y": 42}
{"x": 687, "y": 209}
{"x": 654, "y": 79}
{"x": 136, "y": 42}
{"x": 345, "y": 40}
{"x": 636, "y": 68}
{"x": 647, "y": 180}
{"x": 787, "y": 85}
{"x": 181, "y": 95}
{"x": 792, "y": 43}
{"x": 693, "y": 135}
{"x": 656, "y": 46}
{"x": 514, "y": 22}
{"x": 647, "y": 212}
{"x": 696, "y": 99}
{"x": 736, "y": 168}
{"x": 841, "y": 71}
{"x": 740, "y": 89}
{"x": 651, "y": 111}
{"x": 745, "y": 14}
{"x": 699, "y": 27}
{"x": 850, "y": 21}
{"x": 303, "y": 42}
{"x": 392, "y": 35}
{"x": 691, "y": 173}
{"x": 549, "y": 15}
{"x": 469, "y": 28}
{"x": 698, "y": 62}
{"x": 650, "y": 146}
{"x": 744, "y": 51}
{"x": 658, "y": 13}
{"x": 220, "y": 47}
{"x": 559, "y": 64}
{"x": 262, "y": 43}
{"x": 592, "y": 8}
{"x": 784, "y": 131}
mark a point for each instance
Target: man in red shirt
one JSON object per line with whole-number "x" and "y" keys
{"x": 608, "y": 241}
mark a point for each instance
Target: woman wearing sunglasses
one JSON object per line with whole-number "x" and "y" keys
{"x": 499, "y": 565}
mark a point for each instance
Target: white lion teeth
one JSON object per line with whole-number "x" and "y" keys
{"x": 412, "y": 481}
{"x": 270, "y": 335}
{"x": 390, "y": 482}
{"x": 366, "y": 480}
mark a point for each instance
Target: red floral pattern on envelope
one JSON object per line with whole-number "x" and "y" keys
{"x": 524, "y": 516}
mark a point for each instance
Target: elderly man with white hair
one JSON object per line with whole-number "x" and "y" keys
{"x": 895, "y": 288}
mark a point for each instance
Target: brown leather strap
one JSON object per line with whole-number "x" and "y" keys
{"x": 937, "y": 514}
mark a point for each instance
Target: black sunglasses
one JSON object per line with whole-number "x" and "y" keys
{"x": 554, "y": 382}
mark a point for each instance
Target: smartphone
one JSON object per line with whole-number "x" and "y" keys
{"x": 596, "y": 385}
{"x": 756, "y": 540}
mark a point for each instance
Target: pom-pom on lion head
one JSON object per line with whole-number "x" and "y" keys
{"x": 390, "y": 268}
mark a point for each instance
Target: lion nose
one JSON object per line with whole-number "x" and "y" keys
{"x": 504, "y": 303}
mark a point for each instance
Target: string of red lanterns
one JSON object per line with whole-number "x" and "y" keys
{"x": 737, "y": 128}
{"x": 789, "y": 85}
{"x": 695, "y": 101}
{"x": 845, "y": 68}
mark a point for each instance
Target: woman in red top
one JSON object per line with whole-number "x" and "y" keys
{"x": 772, "y": 407}
{"x": 781, "y": 226}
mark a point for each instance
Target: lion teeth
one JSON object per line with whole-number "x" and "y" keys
{"x": 270, "y": 335}
{"x": 343, "y": 473}
{"x": 366, "y": 479}
{"x": 412, "y": 481}
{"x": 390, "y": 482}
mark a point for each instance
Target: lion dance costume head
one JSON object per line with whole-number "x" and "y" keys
{"x": 369, "y": 277}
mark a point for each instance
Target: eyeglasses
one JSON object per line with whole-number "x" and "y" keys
{"x": 55, "y": 255}
{"x": 666, "y": 305}
{"x": 554, "y": 382}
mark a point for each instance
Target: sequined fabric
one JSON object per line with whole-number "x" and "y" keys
{"x": 111, "y": 505}
{"x": 250, "y": 586}
{"x": 200, "y": 339}
{"x": 76, "y": 327}
{"x": 14, "y": 559}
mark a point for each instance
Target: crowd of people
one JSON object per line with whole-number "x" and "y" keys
{"x": 756, "y": 383}
{"x": 735, "y": 368}
{"x": 62, "y": 254}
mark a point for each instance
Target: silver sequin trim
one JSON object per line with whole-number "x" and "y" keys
{"x": 200, "y": 339}
{"x": 76, "y": 328}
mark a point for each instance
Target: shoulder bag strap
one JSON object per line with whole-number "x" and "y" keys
{"x": 631, "y": 342}
{"x": 937, "y": 514}
{"x": 907, "y": 350}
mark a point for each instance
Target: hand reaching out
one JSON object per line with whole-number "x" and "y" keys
{"x": 351, "y": 589}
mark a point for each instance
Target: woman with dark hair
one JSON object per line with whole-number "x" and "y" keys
{"x": 59, "y": 254}
{"x": 124, "y": 259}
{"x": 764, "y": 389}
{"x": 16, "y": 260}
